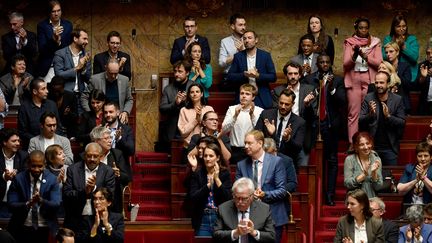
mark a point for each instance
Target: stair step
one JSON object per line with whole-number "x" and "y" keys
{"x": 154, "y": 212}
{"x": 150, "y": 157}
{"x": 155, "y": 182}
{"x": 334, "y": 211}
{"x": 150, "y": 197}
{"x": 324, "y": 236}
{"x": 327, "y": 223}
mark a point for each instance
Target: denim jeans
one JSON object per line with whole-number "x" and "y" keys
{"x": 207, "y": 222}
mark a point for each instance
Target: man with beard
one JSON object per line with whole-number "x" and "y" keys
{"x": 253, "y": 66}
{"x": 383, "y": 116}
{"x": 284, "y": 126}
{"x": 121, "y": 134}
{"x": 232, "y": 44}
{"x": 100, "y": 60}
{"x": 173, "y": 99}
{"x": 331, "y": 107}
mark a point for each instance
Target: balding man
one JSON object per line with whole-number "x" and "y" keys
{"x": 114, "y": 85}
{"x": 82, "y": 179}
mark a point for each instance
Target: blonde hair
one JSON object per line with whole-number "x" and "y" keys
{"x": 391, "y": 71}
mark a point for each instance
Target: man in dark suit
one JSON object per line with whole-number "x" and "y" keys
{"x": 307, "y": 59}
{"x": 114, "y": 159}
{"x": 254, "y": 66}
{"x": 285, "y": 127}
{"x": 100, "y": 60}
{"x": 269, "y": 176}
{"x": 18, "y": 41}
{"x": 243, "y": 218}
{"x": 391, "y": 229}
{"x": 53, "y": 33}
{"x": 82, "y": 179}
{"x": 424, "y": 81}
{"x": 34, "y": 198}
{"x": 330, "y": 116}
{"x": 12, "y": 161}
{"x": 121, "y": 134}
{"x": 114, "y": 85}
{"x": 383, "y": 116}
{"x": 180, "y": 44}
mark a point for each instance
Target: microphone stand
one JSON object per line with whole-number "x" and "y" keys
{"x": 321, "y": 84}
{"x": 291, "y": 217}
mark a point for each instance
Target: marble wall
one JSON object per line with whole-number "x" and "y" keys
{"x": 158, "y": 23}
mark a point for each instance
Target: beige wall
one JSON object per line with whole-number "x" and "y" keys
{"x": 158, "y": 23}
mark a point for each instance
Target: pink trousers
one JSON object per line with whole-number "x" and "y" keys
{"x": 355, "y": 96}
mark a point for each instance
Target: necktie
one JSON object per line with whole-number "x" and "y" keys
{"x": 34, "y": 209}
{"x": 255, "y": 172}
{"x": 322, "y": 107}
{"x": 243, "y": 238}
{"x": 279, "y": 131}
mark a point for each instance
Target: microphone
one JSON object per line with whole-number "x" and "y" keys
{"x": 133, "y": 34}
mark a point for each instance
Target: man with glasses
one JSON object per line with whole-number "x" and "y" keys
{"x": 181, "y": 44}
{"x": 100, "y": 60}
{"x": 391, "y": 229}
{"x": 252, "y": 221}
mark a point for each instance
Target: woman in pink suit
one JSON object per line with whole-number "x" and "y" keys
{"x": 362, "y": 56}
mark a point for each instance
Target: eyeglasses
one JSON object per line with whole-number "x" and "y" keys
{"x": 115, "y": 43}
{"x": 375, "y": 209}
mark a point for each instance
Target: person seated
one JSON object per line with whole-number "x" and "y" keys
{"x": 424, "y": 82}
{"x": 181, "y": 44}
{"x": 115, "y": 86}
{"x": 92, "y": 118}
{"x": 209, "y": 187}
{"x": 48, "y": 136}
{"x": 65, "y": 235}
{"x": 306, "y": 58}
{"x": 201, "y": 73}
{"x": 391, "y": 229}
{"x": 55, "y": 163}
{"x": 12, "y": 161}
{"x": 416, "y": 230}
{"x": 395, "y": 81}
{"x": 427, "y": 213}
{"x": 104, "y": 225}
{"x": 15, "y": 84}
{"x": 115, "y": 160}
{"x": 244, "y": 218}
{"x": 34, "y": 198}
{"x": 100, "y": 60}
{"x": 368, "y": 228}
{"x": 66, "y": 105}
{"x": 209, "y": 127}
{"x": 362, "y": 169}
{"x": 416, "y": 181}
{"x": 191, "y": 115}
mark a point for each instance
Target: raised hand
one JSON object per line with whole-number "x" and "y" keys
{"x": 386, "y": 111}
{"x": 116, "y": 170}
{"x": 270, "y": 126}
{"x": 372, "y": 108}
{"x": 375, "y": 166}
{"x": 287, "y": 133}
{"x": 61, "y": 176}
{"x": 307, "y": 100}
{"x": 192, "y": 161}
{"x": 90, "y": 184}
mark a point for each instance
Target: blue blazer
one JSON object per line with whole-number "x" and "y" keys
{"x": 64, "y": 67}
{"x": 273, "y": 183}
{"x": 426, "y": 233}
{"x": 19, "y": 195}
{"x": 267, "y": 74}
{"x": 47, "y": 46}
{"x": 179, "y": 44}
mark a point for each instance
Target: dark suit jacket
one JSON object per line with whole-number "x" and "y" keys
{"x": 117, "y": 233}
{"x": 179, "y": 44}
{"x": 127, "y": 142}
{"x": 86, "y": 124}
{"x": 404, "y": 73}
{"x": 101, "y": 59}
{"x": 423, "y": 106}
{"x": 227, "y": 221}
{"x": 299, "y": 60}
{"x": 65, "y": 68}
{"x": 267, "y": 74}
{"x": 273, "y": 183}
{"x": 391, "y": 231}
{"x": 395, "y": 123}
{"x": 291, "y": 147}
{"x": 47, "y": 46}
{"x": 199, "y": 193}
{"x": 74, "y": 194}
{"x": 6, "y": 85}
{"x": 19, "y": 195}
{"x": 20, "y": 164}
{"x": 69, "y": 121}
{"x": 426, "y": 233}
{"x": 9, "y": 50}
{"x": 374, "y": 230}
{"x": 116, "y": 156}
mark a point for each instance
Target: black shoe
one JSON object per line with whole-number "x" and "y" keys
{"x": 329, "y": 200}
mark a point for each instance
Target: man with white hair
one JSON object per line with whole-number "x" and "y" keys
{"x": 249, "y": 214}
{"x": 391, "y": 229}
{"x": 416, "y": 230}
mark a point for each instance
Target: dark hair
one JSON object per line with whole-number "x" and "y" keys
{"x": 205, "y": 118}
{"x": 307, "y": 37}
{"x": 361, "y": 19}
{"x": 188, "y": 55}
{"x": 64, "y": 232}
{"x": 34, "y": 84}
{"x": 52, "y": 4}
{"x": 292, "y": 64}
{"x": 189, "y": 103}
{"x": 18, "y": 57}
{"x": 51, "y": 152}
{"x": 234, "y": 17}
{"x": 35, "y": 154}
{"x": 427, "y": 209}
{"x": 322, "y": 37}
{"x": 7, "y": 133}
{"x": 105, "y": 192}
{"x": 113, "y": 33}
{"x": 45, "y": 115}
{"x": 217, "y": 150}
{"x": 190, "y": 18}
{"x": 207, "y": 139}
{"x": 358, "y": 135}
{"x": 251, "y": 31}
{"x": 115, "y": 104}
{"x": 395, "y": 22}
{"x": 423, "y": 147}
{"x": 362, "y": 198}
{"x": 288, "y": 93}
{"x": 76, "y": 33}
{"x": 97, "y": 94}
{"x": 57, "y": 80}
{"x": 386, "y": 74}
{"x": 186, "y": 64}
